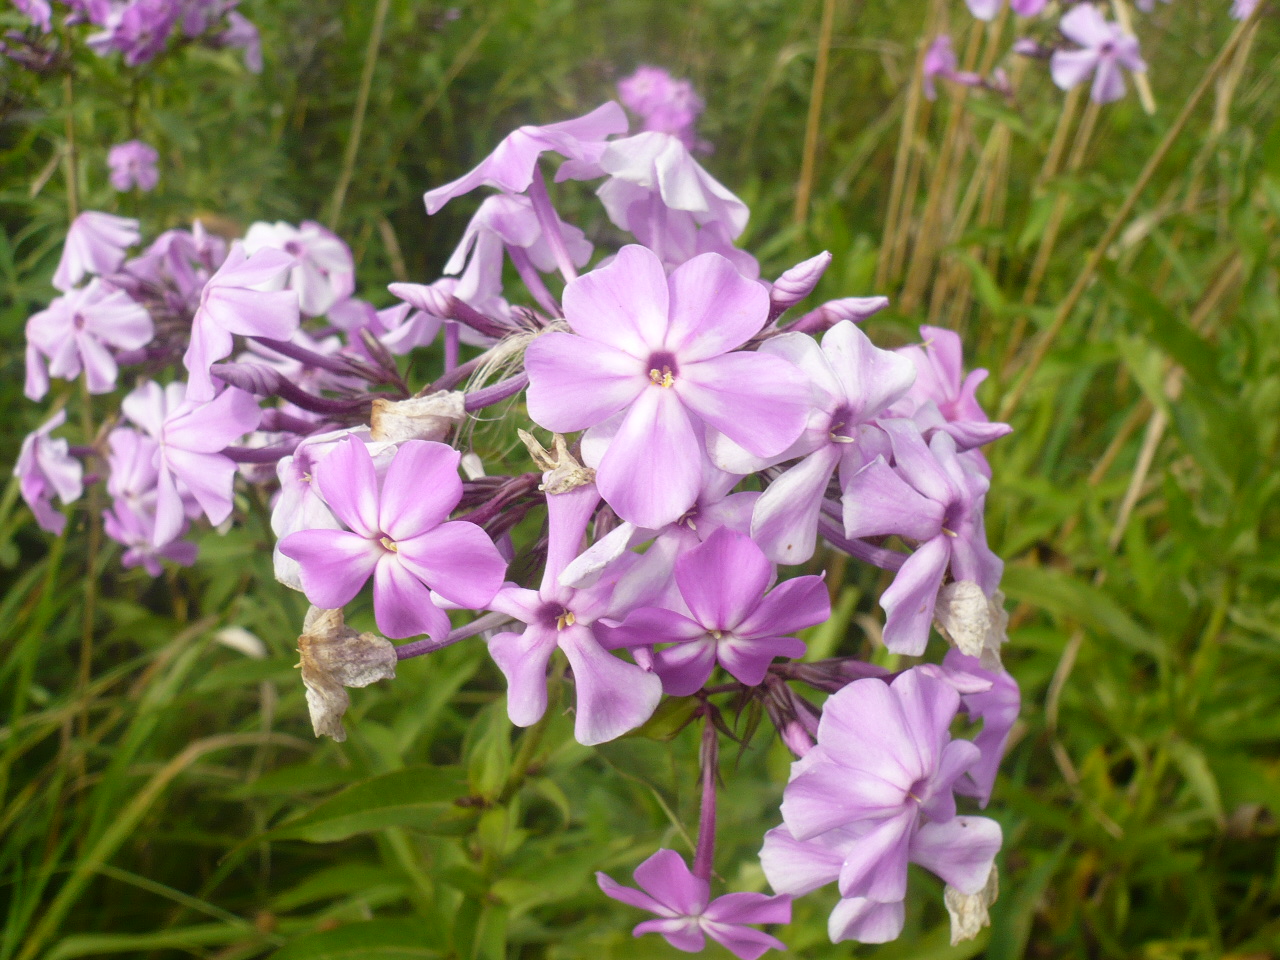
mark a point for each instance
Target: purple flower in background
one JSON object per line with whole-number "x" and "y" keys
{"x": 939, "y": 61}
{"x": 1106, "y": 48}
{"x": 323, "y": 271}
{"x": 993, "y": 698}
{"x": 139, "y": 29}
{"x": 658, "y": 352}
{"x": 853, "y": 382}
{"x": 874, "y": 794}
{"x": 987, "y": 9}
{"x": 135, "y": 530}
{"x": 659, "y": 193}
{"x": 191, "y": 436}
{"x": 45, "y": 467}
{"x": 732, "y": 617}
{"x": 242, "y": 34}
{"x": 687, "y": 915}
{"x": 239, "y": 299}
{"x": 96, "y": 243}
{"x": 931, "y": 497}
{"x": 38, "y": 11}
{"x": 401, "y": 535}
{"x": 1243, "y": 9}
{"x": 512, "y": 165}
{"x": 943, "y": 396}
{"x": 664, "y": 103}
{"x": 612, "y": 696}
{"x": 74, "y": 332}
{"x": 1146, "y": 6}
{"x": 133, "y": 163}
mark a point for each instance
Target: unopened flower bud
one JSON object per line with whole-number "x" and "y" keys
{"x": 334, "y": 657}
{"x": 421, "y": 418}
{"x": 796, "y": 284}
{"x": 970, "y": 912}
{"x": 424, "y": 297}
{"x": 832, "y": 312}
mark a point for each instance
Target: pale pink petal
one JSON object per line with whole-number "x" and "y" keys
{"x": 420, "y": 490}
{"x": 458, "y": 561}
{"x": 826, "y": 796}
{"x": 209, "y": 476}
{"x": 575, "y": 383}
{"x": 523, "y": 659}
{"x": 347, "y": 479}
{"x": 909, "y": 601}
{"x": 867, "y": 716}
{"x": 723, "y": 579}
{"x": 928, "y": 706}
{"x": 628, "y": 895}
{"x": 666, "y": 877}
{"x": 1072, "y": 67}
{"x": 866, "y": 921}
{"x": 402, "y": 603}
{"x": 960, "y": 851}
{"x": 760, "y": 402}
{"x": 794, "y": 867}
{"x": 334, "y": 564}
{"x": 785, "y": 519}
{"x": 747, "y": 659}
{"x": 685, "y": 667}
{"x": 649, "y": 626}
{"x": 876, "y": 866}
{"x": 612, "y": 696}
{"x": 651, "y": 472}
{"x": 624, "y": 304}
{"x": 790, "y": 606}
{"x": 878, "y": 502}
{"x": 745, "y": 943}
{"x": 749, "y": 908}
{"x": 683, "y": 933}
{"x": 714, "y": 308}
{"x": 1085, "y": 25}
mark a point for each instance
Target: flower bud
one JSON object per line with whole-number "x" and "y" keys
{"x": 796, "y": 284}
{"x": 832, "y": 312}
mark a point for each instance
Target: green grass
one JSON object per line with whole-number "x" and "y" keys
{"x": 172, "y": 802}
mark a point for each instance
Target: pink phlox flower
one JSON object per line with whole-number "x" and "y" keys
{"x": 96, "y": 243}
{"x": 243, "y": 297}
{"x": 661, "y": 195}
{"x": 853, "y": 384}
{"x": 190, "y": 435}
{"x": 1146, "y": 6}
{"x": 1105, "y": 49}
{"x": 299, "y": 504}
{"x": 512, "y": 165}
{"x": 728, "y": 616}
{"x": 687, "y": 915}
{"x": 929, "y": 496}
{"x": 400, "y": 534}
{"x": 1243, "y": 9}
{"x": 612, "y": 696}
{"x": 138, "y": 29}
{"x": 665, "y": 104}
{"x": 173, "y": 263}
{"x": 659, "y": 352}
{"x": 875, "y": 794}
{"x": 939, "y": 61}
{"x": 987, "y": 9}
{"x": 44, "y": 468}
{"x": 38, "y": 12}
{"x": 506, "y": 222}
{"x": 76, "y": 331}
{"x": 944, "y": 397}
{"x": 132, "y": 473}
{"x": 133, "y": 163}
{"x": 135, "y": 530}
{"x": 648, "y": 579}
{"x": 323, "y": 271}
{"x": 242, "y": 34}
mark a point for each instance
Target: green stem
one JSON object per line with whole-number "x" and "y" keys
{"x": 357, "y": 117}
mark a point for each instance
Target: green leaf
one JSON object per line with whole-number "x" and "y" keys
{"x": 368, "y": 940}
{"x": 489, "y": 753}
{"x": 419, "y": 797}
{"x": 1191, "y": 761}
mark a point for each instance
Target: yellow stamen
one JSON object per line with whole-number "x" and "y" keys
{"x": 950, "y": 533}
{"x": 389, "y": 544}
{"x": 715, "y": 634}
{"x": 566, "y": 619}
{"x": 662, "y": 378}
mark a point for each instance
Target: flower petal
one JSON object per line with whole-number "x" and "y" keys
{"x": 347, "y": 479}
{"x": 714, "y": 308}
{"x": 790, "y": 606}
{"x": 866, "y": 921}
{"x": 723, "y": 579}
{"x": 960, "y": 851}
{"x": 420, "y": 490}
{"x": 624, "y": 304}
{"x": 668, "y": 879}
{"x": 402, "y": 603}
{"x": 613, "y": 696}
{"x": 575, "y": 383}
{"x": 909, "y": 601}
{"x": 458, "y": 561}
{"x": 334, "y": 564}
{"x": 785, "y": 519}
{"x": 760, "y": 402}
{"x": 523, "y": 659}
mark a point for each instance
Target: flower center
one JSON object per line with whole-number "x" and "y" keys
{"x": 78, "y": 321}
{"x": 842, "y": 427}
{"x": 388, "y": 544}
{"x": 663, "y": 369}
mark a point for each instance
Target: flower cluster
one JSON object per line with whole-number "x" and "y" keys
{"x": 1085, "y": 47}
{"x": 707, "y": 439}
{"x": 139, "y": 30}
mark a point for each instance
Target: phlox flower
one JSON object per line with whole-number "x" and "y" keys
{"x": 728, "y": 616}
{"x": 238, "y": 300}
{"x": 1105, "y": 48}
{"x": 939, "y": 61}
{"x": 853, "y": 383}
{"x": 512, "y": 165}
{"x": 44, "y": 468}
{"x": 190, "y": 436}
{"x": 135, "y": 531}
{"x": 75, "y": 331}
{"x": 661, "y": 195}
{"x": 96, "y": 243}
{"x": 987, "y": 9}
{"x": 932, "y": 497}
{"x": 323, "y": 271}
{"x": 988, "y": 696}
{"x": 687, "y": 915}
{"x": 399, "y": 534}
{"x": 612, "y": 696}
{"x": 664, "y": 103}
{"x": 659, "y": 352}
{"x": 139, "y": 29}
{"x": 1243, "y": 9}
{"x": 38, "y": 12}
{"x": 874, "y": 794}
{"x": 242, "y": 34}
{"x": 133, "y": 163}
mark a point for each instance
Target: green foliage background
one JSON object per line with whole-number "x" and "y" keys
{"x": 164, "y": 797}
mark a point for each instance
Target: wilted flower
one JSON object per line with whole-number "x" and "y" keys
{"x": 334, "y": 657}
